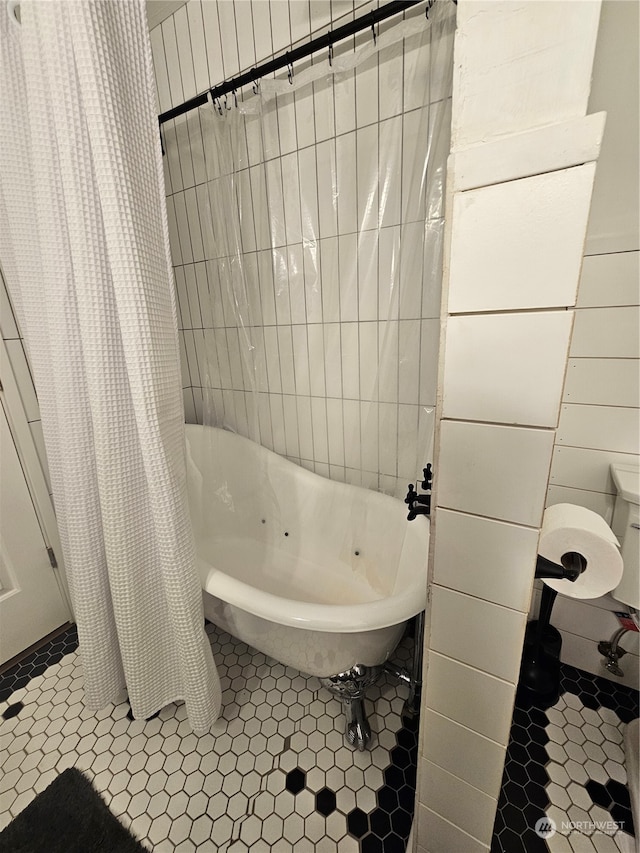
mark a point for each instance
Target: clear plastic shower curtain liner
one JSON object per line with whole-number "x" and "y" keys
{"x": 325, "y": 239}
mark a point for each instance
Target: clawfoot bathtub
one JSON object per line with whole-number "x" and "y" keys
{"x": 319, "y": 575}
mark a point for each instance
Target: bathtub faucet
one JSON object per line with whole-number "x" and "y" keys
{"x": 427, "y": 473}
{"x": 418, "y": 504}
{"x": 415, "y": 511}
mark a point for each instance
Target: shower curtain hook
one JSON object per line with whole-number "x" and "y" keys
{"x": 255, "y": 81}
{"x": 289, "y": 69}
{"x": 235, "y": 98}
{"x": 330, "y": 49}
{"x": 373, "y": 27}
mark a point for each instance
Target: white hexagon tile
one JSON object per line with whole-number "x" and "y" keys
{"x": 274, "y": 774}
{"x": 565, "y": 766}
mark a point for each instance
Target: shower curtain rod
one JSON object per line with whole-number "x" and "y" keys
{"x": 321, "y": 42}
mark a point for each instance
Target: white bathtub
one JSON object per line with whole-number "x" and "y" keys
{"x": 317, "y": 574}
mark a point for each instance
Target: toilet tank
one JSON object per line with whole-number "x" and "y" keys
{"x": 626, "y": 526}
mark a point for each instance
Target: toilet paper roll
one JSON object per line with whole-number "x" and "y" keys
{"x": 565, "y": 528}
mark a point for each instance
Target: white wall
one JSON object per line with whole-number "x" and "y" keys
{"x": 16, "y": 351}
{"x": 519, "y": 188}
{"x": 331, "y": 290}
{"x": 23, "y": 413}
{"x": 600, "y": 418}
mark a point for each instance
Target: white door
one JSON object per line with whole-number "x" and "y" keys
{"x": 31, "y": 603}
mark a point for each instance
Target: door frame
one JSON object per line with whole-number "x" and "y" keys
{"x": 13, "y": 406}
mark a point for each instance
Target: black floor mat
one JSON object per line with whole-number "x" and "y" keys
{"x": 68, "y": 817}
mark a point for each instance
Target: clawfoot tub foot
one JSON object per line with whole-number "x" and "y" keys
{"x": 412, "y": 705}
{"x": 350, "y": 686}
{"x": 358, "y": 731}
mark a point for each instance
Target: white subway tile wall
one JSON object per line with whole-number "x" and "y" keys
{"x": 322, "y": 403}
{"x": 599, "y": 425}
{"x": 501, "y": 261}
{"x": 466, "y": 695}
{"x": 606, "y": 333}
{"x": 506, "y": 368}
{"x": 494, "y": 470}
{"x": 600, "y": 419}
{"x": 484, "y": 557}
{"x": 481, "y": 644}
{"x": 603, "y": 381}
{"x": 588, "y": 469}
{"x": 490, "y": 106}
{"x": 457, "y": 801}
{"x": 609, "y": 279}
{"x": 443, "y": 835}
{"x": 597, "y": 501}
{"x": 466, "y": 753}
{"x": 516, "y": 243}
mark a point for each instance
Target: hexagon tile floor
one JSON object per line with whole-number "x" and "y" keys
{"x": 273, "y": 775}
{"x": 564, "y": 772}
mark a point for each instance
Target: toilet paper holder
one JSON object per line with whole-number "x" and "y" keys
{"x": 539, "y": 680}
{"x": 571, "y": 567}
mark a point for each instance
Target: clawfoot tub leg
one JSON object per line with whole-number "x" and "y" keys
{"x": 358, "y": 731}
{"x": 413, "y": 677}
{"x": 412, "y": 705}
{"x": 350, "y": 686}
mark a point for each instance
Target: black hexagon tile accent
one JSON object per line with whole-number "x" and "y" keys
{"x": 372, "y": 844}
{"x": 380, "y": 823}
{"x": 12, "y": 710}
{"x": 325, "y": 802}
{"x": 358, "y": 823}
{"x": 36, "y": 662}
{"x": 598, "y": 793}
{"x": 623, "y": 817}
{"x": 276, "y": 771}
{"x": 387, "y": 799}
{"x": 393, "y": 775}
{"x": 295, "y": 780}
{"x": 565, "y": 763}
{"x": 614, "y": 798}
{"x": 400, "y": 757}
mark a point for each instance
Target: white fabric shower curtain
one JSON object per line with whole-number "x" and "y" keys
{"x": 84, "y": 250}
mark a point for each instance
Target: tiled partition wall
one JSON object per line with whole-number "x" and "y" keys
{"x": 321, "y": 347}
{"x": 519, "y": 188}
{"x": 600, "y": 418}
